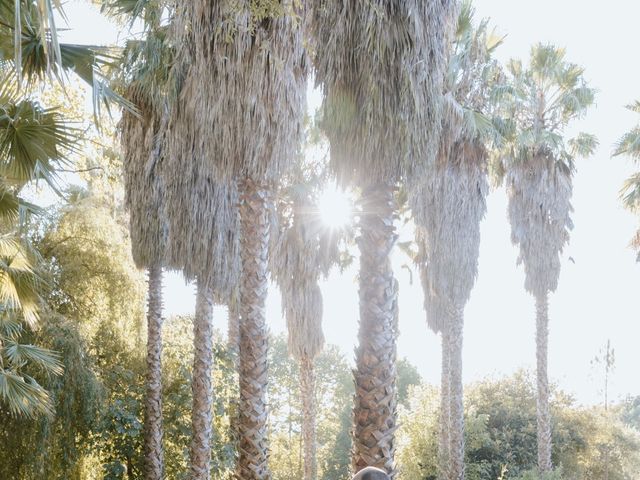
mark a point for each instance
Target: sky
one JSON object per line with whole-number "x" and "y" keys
{"x": 598, "y": 297}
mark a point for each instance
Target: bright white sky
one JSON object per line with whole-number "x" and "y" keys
{"x": 598, "y": 297}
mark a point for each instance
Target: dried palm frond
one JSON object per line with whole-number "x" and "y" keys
{"x": 140, "y": 141}
{"x": 381, "y": 65}
{"x": 454, "y": 202}
{"x": 540, "y": 215}
{"x": 203, "y": 225}
{"x": 241, "y": 75}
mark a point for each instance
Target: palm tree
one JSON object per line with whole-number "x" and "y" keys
{"x": 203, "y": 242}
{"x": 243, "y": 73}
{"x": 303, "y": 251}
{"x": 143, "y": 199}
{"x": 538, "y": 167}
{"x": 381, "y": 68}
{"x": 448, "y": 203}
{"x": 629, "y": 144}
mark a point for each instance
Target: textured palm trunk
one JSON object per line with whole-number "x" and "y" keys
{"x": 544, "y": 418}
{"x": 456, "y": 432}
{"x": 154, "y": 457}
{"x": 374, "y": 415}
{"x": 201, "y": 420}
{"x": 254, "y": 237}
{"x": 308, "y": 392}
{"x": 444, "y": 443}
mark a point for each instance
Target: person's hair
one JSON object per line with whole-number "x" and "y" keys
{"x": 371, "y": 473}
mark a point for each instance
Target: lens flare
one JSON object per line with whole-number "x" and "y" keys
{"x": 336, "y": 208}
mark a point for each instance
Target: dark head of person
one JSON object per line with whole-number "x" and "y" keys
{"x": 371, "y": 473}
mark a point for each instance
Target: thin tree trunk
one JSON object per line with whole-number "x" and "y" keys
{"x": 201, "y": 419}
{"x": 254, "y": 237}
{"x": 544, "y": 418}
{"x": 374, "y": 414}
{"x": 154, "y": 457}
{"x": 456, "y": 433}
{"x": 444, "y": 443}
{"x": 308, "y": 392}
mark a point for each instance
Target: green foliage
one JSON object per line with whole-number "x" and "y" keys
{"x": 500, "y": 435}
{"x": 51, "y": 446}
{"x": 94, "y": 278}
{"x": 334, "y": 390}
{"x": 540, "y": 101}
{"x": 334, "y": 396}
{"x": 534, "y": 475}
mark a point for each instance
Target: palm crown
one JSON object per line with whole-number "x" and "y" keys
{"x": 629, "y": 144}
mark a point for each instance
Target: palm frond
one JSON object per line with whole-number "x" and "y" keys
{"x": 20, "y": 355}
{"x": 23, "y": 395}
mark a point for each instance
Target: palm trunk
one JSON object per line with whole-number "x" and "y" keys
{"x": 201, "y": 419}
{"x": 254, "y": 237}
{"x": 544, "y": 418}
{"x": 154, "y": 458}
{"x": 456, "y": 433}
{"x": 444, "y": 443}
{"x": 374, "y": 413}
{"x": 308, "y": 392}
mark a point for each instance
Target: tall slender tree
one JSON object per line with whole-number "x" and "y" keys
{"x": 143, "y": 76}
{"x": 241, "y": 101}
{"x": 629, "y": 144}
{"x": 538, "y": 166}
{"x": 381, "y": 66}
{"x": 448, "y": 204}
{"x": 143, "y": 194}
{"x": 303, "y": 251}
{"x": 204, "y": 243}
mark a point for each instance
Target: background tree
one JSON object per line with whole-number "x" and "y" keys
{"x": 304, "y": 250}
{"x": 539, "y": 166}
{"x": 380, "y": 99}
{"x": 629, "y": 144}
{"x": 448, "y": 204}
{"x": 500, "y": 434}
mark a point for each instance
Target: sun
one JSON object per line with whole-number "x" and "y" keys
{"x": 335, "y": 206}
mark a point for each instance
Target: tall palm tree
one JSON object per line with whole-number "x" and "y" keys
{"x": 448, "y": 204}
{"x": 242, "y": 99}
{"x": 203, "y": 242}
{"x": 143, "y": 75}
{"x": 304, "y": 250}
{"x": 381, "y": 67}
{"x": 538, "y": 167}
{"x": 629, "y": 144}
{"x": 143, "y": 199}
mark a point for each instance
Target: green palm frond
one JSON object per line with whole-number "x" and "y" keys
{"x": 23, "y": 395}
{"x": 630, "y": 193}
{"x": 29, "y": 46}
{"x": 20, "y": 355}
{"x": 20, "y": 285}
{"x": 34, "y": 140}
{"x": 583, "y": 145}
{"x": 542, "y": 99}
{"x": 629, "y": 144}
